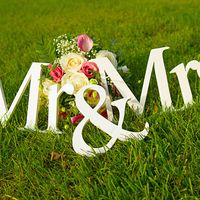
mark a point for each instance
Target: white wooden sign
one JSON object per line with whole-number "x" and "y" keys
{"x": 155, "y": 62}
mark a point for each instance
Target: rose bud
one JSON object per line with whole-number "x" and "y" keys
{"x": 104, "y": 114}
{"x": 85, "y": 43}
{"x": 50, "y": 66}
{"x": 57, "y": 74}
{"x": 77, "y": 118}
{"x": 89, "y": 69}
{"x": 62, "y": 115}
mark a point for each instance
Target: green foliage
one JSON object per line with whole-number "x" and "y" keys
{"x": 163, "y": 166}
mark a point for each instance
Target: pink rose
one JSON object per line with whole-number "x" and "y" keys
{"x": 76, "y": 119}
{"x": 89, "y": 69}
{"x": 85, "y": 43}
{"x": 57, "y": 74}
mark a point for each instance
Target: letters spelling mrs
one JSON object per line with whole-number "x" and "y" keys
{"x": 115, "y": 131}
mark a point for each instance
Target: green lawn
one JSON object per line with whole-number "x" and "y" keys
{"x": 166, "y": 165}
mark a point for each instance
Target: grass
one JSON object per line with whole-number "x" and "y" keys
{"x": 163, "y": 166}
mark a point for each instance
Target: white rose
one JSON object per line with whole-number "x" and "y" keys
{"x": 111, "y": 56}
{"x": 77, "y": 79}
{"x": 124, "y": 69}
{"x": 46, "y": 84}
{"x": 72, "y": 62}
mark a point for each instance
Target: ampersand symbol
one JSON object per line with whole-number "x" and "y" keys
{"x": 92, "y": 115}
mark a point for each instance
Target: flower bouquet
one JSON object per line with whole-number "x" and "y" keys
{"x": 72, "y": 65}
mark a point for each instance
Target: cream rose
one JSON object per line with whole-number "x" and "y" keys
{"x": 111, "y": 56}
{"x": 77, "y": 79}
{"x": 46, "y": 84}
{"x": 72, "y": 62}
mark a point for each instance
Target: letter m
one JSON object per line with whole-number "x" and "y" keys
{"x": 155, "y": 62}
{"x": 32, "y": 77}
